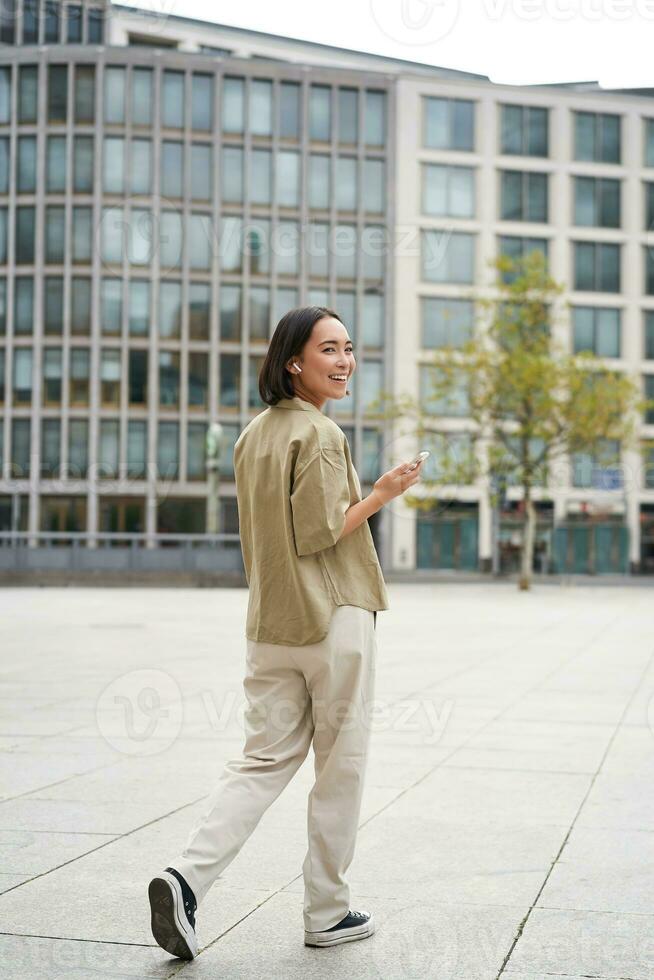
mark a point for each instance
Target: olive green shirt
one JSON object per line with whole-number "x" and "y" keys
{"x": 294, "y": 482}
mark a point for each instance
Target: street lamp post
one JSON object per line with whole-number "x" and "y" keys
{"x": 213, "y": 448}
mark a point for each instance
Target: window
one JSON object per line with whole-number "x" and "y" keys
{"x": 83, "y": 164}
{"x": 170, "y": 309}
{"x": 111, "y": 306}
{"x": 172, "y": 99}
{"x": 5, "y": 93}
{"x": 648, "y": 329}
{"x": 597, "y": 137}
{"x": 50, "y": 448}
{"x": 81, "y": 235}
{"x": 22, "y": 376}
{"x": 373, "y": 319}
{"x": 597, "y": 202}
{"x": 139, "y": 307}
{"x": 259, "y": 312}
{"x": 169, "y": 379}
{"x": 170, "y": 239}
{"x": 113, "y": 165}
{"x": 587, "y": 467}
{"x": 230, "y": 381}
{"x": 319, "y": 181}
{"x": 346, "y": 184}
{"x": 649, "y": 205}
{"x": 286, "y": 298}
{"x": 84, "y": 93}
{"x": 55, "y": 164}
{"x": 448, "y": 191}
{"x": 110, "y": 378}
{"x": 596, "y": 329}
{"x": 289, "y": 110}
{"x": 320, "y": 119}
{"x": 108, "y": 449}
{"x": 198, "y": 380}
{"x": 287, "y": 173}
{"x": 141, "y": 166}
{"x": 202, "y": 171}
{"x": 524, "y": 196}
{"x": 80, "y": 307}
{"x": 199, "y": 239}
{"x": 23, "y": 305}
{"x": 78, "y": 448}
{"x": 142, "y": 96}
{"x": 172, "y": 169}
{"x": 26, "y": 169}
{"x": 53, "y": 305}
{"x": 524, "y": 130}
{"x": 137, "y": 435}
{"x": 516, "y": 247}
{"x": 448, "y": 256}
{"x": 20, "y": 449}
{"x": 233, "y": 105}
{"x": 168, "y": 450}
{"x": 137, "y": 374}
{"x": 230, "y": 312}
{"x": 52, "y": 371}
{"x": 95, "y": 22}
{"x": 446, "y": 322}
{"x": 27, "y": 93}
{"x": 199, "y": 310}
{"x": 78, "y": 388}
{"x": 202, "y": 102}
{"x": 31, "y": 22}
{"x": 648, "y": 393}
{"x": 114, "y": 95}
{"x": 231, "y": 179}
{"x": 348, "y": 115}
{"x": 455, "y": 403}
{"x": 25, "y": 236}
{"x": 57, "y": 93}
{"x": 196, "y": 454}
{"x": 597, "y": 266}
{"x": 375, "y": 118}
{"x": 231, "y": 242}
{"x": 449, "y": 124}
{"x": 258, "y": 245}
{"x": 260, "y": 115}
{"x": 260, "y": 176}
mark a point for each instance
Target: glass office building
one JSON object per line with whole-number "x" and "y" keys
{"x": 170, "y": 187}
{"x": 160, "y": 210}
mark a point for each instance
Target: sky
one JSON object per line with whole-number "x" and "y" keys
{"x": 517, "y": 42}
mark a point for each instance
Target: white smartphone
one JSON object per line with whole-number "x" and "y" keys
{"x": 418, "y": 459}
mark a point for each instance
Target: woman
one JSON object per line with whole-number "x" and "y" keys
{"x": 315, "y": 586}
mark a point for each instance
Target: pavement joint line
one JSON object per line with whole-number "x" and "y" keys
{"x": 522, "y": 924}
{"x": 106, "y": 843}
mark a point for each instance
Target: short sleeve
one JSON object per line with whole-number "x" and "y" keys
{"x": 319, "y": 499}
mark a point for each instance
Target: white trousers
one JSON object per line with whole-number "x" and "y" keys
{"x": 296, "y": 696}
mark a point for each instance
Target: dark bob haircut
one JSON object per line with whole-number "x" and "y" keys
{"x": 288, "y": 340}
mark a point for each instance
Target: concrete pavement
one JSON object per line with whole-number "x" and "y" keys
{"x": 508, "y": 817}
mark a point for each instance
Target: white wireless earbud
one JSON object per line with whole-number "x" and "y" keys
{"x": 298, "y": 367}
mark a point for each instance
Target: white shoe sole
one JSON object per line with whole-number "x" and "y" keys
{"x": 168, "y": 920}
{"x": 342, "y": 936}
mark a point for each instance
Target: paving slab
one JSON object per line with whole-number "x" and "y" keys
{"x": 506, "y": 826}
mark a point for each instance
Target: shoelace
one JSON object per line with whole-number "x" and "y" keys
{"x": 358, "y": 915}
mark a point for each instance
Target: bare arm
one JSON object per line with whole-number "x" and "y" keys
{"x": 386, "y": 488}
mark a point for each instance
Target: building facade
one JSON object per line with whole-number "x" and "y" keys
{"x": 169, "y": 188}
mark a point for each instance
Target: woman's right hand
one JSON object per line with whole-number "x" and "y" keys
{"x": 396, "y": 481}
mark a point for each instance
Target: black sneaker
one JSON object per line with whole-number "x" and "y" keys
{"x": 355, "y": 925}
{"x": 173, "y": 905}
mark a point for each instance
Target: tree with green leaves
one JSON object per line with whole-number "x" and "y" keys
{"x": 526, "y": 399}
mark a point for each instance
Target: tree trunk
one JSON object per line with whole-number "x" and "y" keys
{"x": 527, "y": 542}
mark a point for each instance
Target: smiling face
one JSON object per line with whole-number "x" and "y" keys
{"x": 328, "y": 352}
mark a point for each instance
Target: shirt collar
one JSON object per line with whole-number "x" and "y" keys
{"x": 297, "y": 403}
